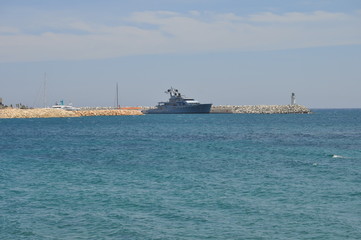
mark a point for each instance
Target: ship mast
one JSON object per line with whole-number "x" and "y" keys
{"x": 117, "y": 97}
{"x": 44, "y": 93}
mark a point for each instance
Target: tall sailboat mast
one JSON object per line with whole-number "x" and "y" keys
{"x": 117, "y": 97}
{"x": 44, "y": 93}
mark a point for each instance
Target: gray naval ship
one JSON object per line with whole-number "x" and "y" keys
{"x": 179, "y": 104}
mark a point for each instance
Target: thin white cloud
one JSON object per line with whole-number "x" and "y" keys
{"x": 229, "y": 17}
{"x": 296, "y": 17}
{"x": 8, "y": 30}
{"x": 195, "y": 13}
{"x": 82, "y": 26}
{"x": 155, "y": 17}
{"x": 160, "y": 32}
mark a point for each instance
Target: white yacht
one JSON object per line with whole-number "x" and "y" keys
{"x": 65, "y": 107}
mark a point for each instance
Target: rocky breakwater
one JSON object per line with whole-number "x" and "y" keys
{"x": 34, "y": 113}
{"x": 113, "y": 112}
{"x": 60, "y": 113}
{"x": 261, "y": 109}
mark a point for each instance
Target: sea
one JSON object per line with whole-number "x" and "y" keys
{"x": 192, "y": 177}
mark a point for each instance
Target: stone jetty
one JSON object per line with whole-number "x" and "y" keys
{"x": 60, "y": 113}
{"x": 113, "y": 112}
{"x": 261, "y": 109}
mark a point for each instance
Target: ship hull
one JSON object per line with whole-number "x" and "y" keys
{"x": 194, "y": 109}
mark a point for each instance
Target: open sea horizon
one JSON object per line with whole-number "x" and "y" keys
{"x": 192, "y": 177}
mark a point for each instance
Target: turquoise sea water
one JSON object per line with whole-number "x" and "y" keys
{"x": 182, "y": 177}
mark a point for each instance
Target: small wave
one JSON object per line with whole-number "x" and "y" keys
{"x": 337, "y": 156}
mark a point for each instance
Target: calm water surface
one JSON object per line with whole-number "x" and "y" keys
{"x": 182, "y": 177}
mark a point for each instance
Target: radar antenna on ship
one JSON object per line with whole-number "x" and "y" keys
{"x": 169, "y": 91}
{"x": 177, "y": 93}
{"x": 173, "y": 92}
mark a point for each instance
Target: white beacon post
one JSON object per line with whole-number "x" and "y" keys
{"x": 293, "y": 99}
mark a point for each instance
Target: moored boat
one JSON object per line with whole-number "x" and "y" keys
{"x": 65, "y": 107}
{"x": 179, "y": 104}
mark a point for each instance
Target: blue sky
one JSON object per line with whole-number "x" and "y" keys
{"x": 238, "y": 52}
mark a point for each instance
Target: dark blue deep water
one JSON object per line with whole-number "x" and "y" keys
{"x": 182, "y": 177}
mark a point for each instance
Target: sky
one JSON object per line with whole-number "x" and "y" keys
{"x": 225, "y": 52}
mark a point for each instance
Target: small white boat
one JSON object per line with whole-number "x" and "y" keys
{"x": 65, "y": 107}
